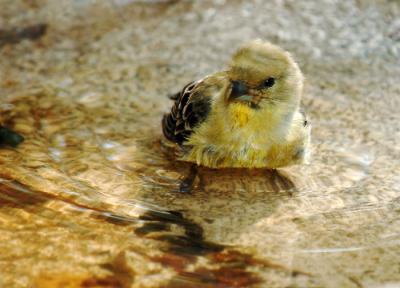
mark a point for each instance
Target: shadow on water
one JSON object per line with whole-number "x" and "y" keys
{"x": 183, "y": 250}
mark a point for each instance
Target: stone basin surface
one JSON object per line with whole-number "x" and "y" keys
{"x": 90, "y": 199}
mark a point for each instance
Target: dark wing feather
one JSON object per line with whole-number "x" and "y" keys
{"x": 190, "y": 109}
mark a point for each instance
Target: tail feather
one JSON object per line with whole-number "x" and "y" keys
{"x": 168, "y": 127}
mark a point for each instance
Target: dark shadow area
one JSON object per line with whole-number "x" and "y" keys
{"x": 16, "y": 35}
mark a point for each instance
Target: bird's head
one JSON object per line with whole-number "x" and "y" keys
{"x": 264, "y": 77}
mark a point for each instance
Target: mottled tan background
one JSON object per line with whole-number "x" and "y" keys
{"x": 84, "y": 200}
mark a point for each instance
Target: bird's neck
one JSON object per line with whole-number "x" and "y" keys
{"x": 239, "y": 115}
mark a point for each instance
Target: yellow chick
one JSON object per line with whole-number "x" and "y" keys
{"x": 247, "y": 116}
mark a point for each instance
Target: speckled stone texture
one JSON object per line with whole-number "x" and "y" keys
{"x": 89, "y": 199}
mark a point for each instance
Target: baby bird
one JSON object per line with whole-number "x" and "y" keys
{"x": 247, "y": 116}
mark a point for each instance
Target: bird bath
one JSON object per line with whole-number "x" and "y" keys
{"x": 90, "y": 199}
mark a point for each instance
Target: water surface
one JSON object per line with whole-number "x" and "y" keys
{"x": 90, "y": 198}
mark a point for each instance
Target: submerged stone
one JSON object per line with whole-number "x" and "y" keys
{"x": 9, "y": 137}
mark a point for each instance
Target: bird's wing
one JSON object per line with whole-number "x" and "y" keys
{"x": 190, "y": 109}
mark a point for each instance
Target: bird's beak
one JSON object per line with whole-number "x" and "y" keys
{"x": 240, "y": 92}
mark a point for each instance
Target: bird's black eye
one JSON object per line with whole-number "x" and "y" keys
{"x": 269, "y": 82}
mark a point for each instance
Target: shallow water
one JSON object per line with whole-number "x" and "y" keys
{"x": 90, "y": 198}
